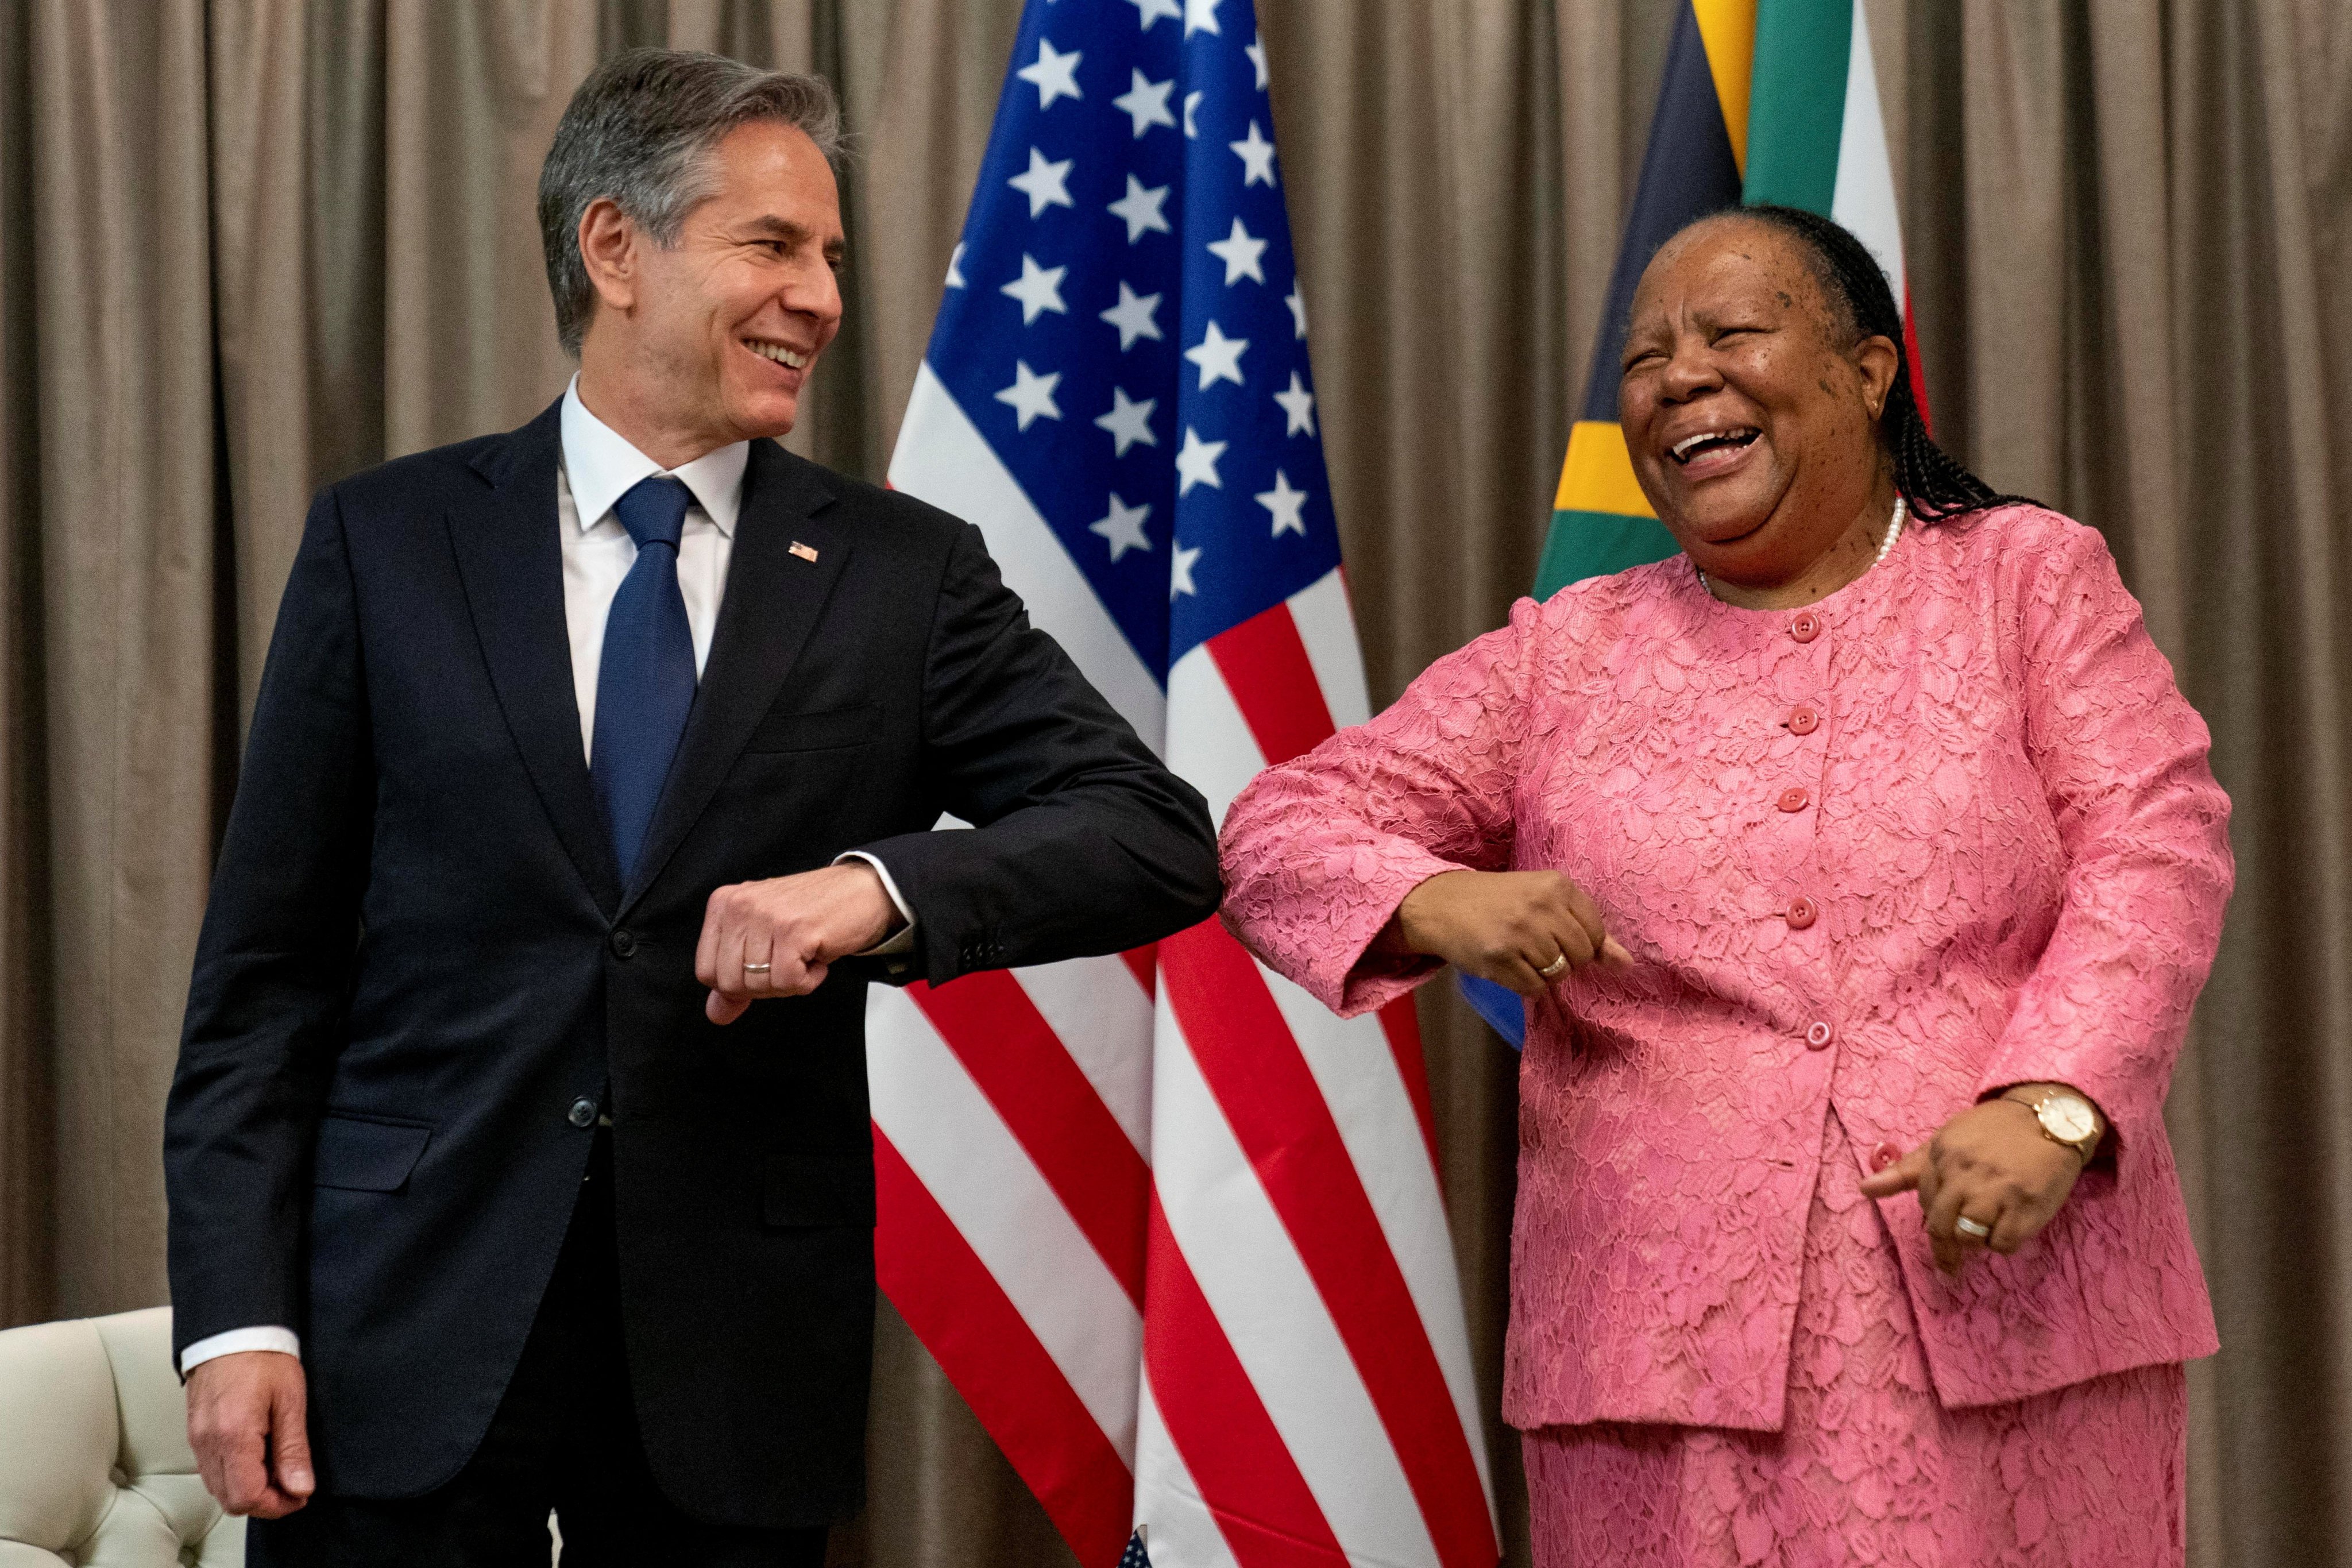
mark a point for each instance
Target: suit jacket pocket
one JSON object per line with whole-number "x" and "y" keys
{"x": 833, "y": 729}
{"x": 363, "y": 1154}
{"x": 806, "y": 1190}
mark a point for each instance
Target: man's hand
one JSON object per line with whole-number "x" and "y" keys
{"x": 1991, "y": 1165}
{"x": 246, "y": 1422}
{"x": 1505, "y": 926}
{"x": 795, "y": 925}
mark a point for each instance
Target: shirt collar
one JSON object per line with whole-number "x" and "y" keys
{"x": 601, "y": 465}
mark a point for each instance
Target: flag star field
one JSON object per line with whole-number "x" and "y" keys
{"x": 1124, "y": 326}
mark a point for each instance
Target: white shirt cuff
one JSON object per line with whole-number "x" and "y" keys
{"x": 903, "y": 939}
{"x": 269, "y": 1338}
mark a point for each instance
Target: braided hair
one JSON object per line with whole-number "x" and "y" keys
{"x": 1934, "y": 483}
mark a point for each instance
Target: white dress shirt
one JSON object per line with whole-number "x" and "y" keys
{"x": 599, "y": 468}
{"x": 599, "y": 465}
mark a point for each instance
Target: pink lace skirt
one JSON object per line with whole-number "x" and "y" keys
{"x": 1869, "y": 1467}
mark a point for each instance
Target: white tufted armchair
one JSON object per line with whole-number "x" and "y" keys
{"x": 95, "y": 1469}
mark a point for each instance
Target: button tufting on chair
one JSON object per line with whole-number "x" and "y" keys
{"x": 95, "y": 1467}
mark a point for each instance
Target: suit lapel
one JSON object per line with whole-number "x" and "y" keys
{"x": 511, "y": 564}
{"x": 772, "y": 602}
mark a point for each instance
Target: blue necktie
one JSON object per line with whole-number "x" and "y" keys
{"x": 644, "y": 683}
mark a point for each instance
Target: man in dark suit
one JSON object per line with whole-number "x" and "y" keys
{"x": 518, "y": 1154}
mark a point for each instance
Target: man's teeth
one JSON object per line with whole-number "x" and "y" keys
{"x": 780, "y": 355}
{"x": 1682, "y": 450}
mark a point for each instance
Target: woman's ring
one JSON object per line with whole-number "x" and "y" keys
{"x": 1976, "y": 1229}
{"x": 755, "y": 969}
{"x": 1554, "y": 969}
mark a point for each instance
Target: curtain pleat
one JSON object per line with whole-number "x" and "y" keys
{"x": 118, "y": 552}
{"x": 248, "y": 246}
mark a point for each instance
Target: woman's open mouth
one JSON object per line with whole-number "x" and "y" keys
{"x": 1712, "y": 451}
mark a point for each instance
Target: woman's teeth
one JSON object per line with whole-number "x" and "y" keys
{"x": 1689, "y": 447}
{"x": 780, "y": 355}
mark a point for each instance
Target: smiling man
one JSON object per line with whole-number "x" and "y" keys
{"x": 519, "y": 1156}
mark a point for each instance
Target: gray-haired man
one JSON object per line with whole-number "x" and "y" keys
{"x": 518, "y": 1155}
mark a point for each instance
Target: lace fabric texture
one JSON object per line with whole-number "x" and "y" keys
{"x": 1867, "y": 1467}
{"x": 1949, "y": 829}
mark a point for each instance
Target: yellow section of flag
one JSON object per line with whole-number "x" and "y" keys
{"x": 1727, "y": 28}
{"x": 1599, "y": 473}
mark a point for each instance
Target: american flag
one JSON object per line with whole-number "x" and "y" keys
{"x": 1173, "y": 1229}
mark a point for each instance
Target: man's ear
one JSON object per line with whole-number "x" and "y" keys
{"x": 1874, "y": 359}
{"x": 608, "y": 248}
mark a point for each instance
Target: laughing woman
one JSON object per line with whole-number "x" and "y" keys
{"x": 1862, "y": 864}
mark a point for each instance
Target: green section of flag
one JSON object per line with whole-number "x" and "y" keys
{"x": 1796, "y": 104}
{"x": 1594, "y": 544}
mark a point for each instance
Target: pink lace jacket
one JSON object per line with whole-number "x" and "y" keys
{"x": 1951, "y": 828}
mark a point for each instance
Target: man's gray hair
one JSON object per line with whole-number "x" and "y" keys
{"x": 640, "y": 130}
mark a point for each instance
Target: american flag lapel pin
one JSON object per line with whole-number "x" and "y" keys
{"x": 805, "y": 551}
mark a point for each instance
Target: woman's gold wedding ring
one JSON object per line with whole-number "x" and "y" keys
{"x": 1554, "y": 969}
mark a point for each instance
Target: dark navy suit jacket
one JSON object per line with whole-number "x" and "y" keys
{"x": 419, "y": 956}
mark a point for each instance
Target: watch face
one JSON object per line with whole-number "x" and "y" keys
{"x": 2069, "y": 1119}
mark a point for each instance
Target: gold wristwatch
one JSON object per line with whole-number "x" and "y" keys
{"x": 2066, "y": 1119}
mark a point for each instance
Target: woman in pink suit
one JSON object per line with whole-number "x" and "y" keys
{"x": 1860, "y": 866}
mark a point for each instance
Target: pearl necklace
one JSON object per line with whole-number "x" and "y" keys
{"x": 1893, "y": 532}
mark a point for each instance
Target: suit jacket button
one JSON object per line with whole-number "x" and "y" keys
{"x": 582, "y": 1113}
{"x": 625, "y": 943}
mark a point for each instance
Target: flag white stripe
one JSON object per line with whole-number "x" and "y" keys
{"x": 1274, "y": 1318}
{"x": 1102, "y": 1016}
{"x": 943, "y": 458}
{"x": 1326, "y": 625}
{"x": 1862, "y": 199}
{"x": 962, "y": 1152}
{"x": 1209, "y": 742}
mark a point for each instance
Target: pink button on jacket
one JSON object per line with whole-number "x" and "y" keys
{"x": 2009, "y": 865}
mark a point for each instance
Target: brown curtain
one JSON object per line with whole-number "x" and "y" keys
{"x": 249, "y": 246}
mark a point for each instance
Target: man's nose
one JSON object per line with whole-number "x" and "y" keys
{"x": 814, "y": 291}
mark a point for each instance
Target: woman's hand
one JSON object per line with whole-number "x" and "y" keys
{"x": 1992, "y": 1165}
{"x": 1505, "y": 926}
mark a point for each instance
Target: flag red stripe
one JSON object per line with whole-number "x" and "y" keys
{"x": 1051, "y": 1108}
{"x": 1266, "y": 667}
{"x": 1145, "y": 963}
{"x": 1918, "y": 371}
{"x": 1245, "y": 1474}
{"x": 1262, "y": 1082}
{"x": 1402, "y": 1024}
{"x": 972, "y": 1328}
